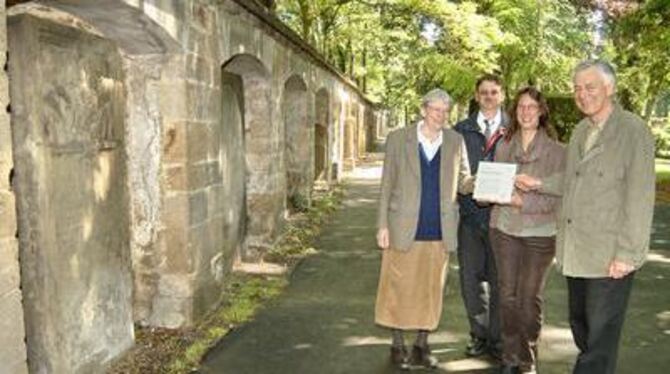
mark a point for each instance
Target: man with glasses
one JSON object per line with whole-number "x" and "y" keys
{"x": 606, "y": 214}
{"x": 479, "y": 286}
{"x": 418, "y": 218}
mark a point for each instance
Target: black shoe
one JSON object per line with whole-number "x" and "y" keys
{"x": 476, "y": 347}
{"x": 399, "y": 357}
{"x": 509, "y": 369}
{"x": 495, "y": 353}
{"x": 421, "y": 357}
{"x": 527, "y": 369}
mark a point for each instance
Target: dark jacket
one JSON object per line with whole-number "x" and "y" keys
{"x": 475, "y": 142}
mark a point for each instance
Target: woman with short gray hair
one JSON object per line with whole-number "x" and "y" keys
{"x": 418, "y": 217}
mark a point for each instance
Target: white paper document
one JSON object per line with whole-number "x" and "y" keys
{"x": 494, "y": 182}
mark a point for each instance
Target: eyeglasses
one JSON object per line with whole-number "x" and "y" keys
{"x": 531, "y": 107}
{"x": 488, "y": 93}
{"x": 437, "y": 109}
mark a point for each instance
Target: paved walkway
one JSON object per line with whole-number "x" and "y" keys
{"x": 323, "y": 323}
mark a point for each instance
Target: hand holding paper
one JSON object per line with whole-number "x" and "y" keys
{"x": 495, "y": 182}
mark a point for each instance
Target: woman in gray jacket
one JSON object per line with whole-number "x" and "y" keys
{"x": 523, "y": 232}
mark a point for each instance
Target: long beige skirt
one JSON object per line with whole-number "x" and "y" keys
{"x": 411, "y": 286}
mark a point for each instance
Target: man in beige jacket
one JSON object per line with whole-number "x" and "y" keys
{"x": 425, "y": 165}
{"x": 606, "y": 213}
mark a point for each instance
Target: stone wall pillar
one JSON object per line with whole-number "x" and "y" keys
{"x": 12, "y": 334}
{"x": 68, "y": 133}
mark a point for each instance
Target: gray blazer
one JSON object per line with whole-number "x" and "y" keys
{"x": 608, "y": 197}
{"x": 401, "y": 186}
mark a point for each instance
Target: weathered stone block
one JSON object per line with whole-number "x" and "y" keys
{"x": 175, "y": 142}
{"x": 178, "y": 256}
{"x": 216, "y": 200}
{"x": 173, "y": 304}
{"x": 203, "y": 142}
{"x": 6, "y": 163}
{"x": 9, "y": 266}
{"x": 203, "y": 16}
{"x": 12, "y": 348}
{"x": 198, "y": 207}
{"x": 203, "y": 102}
{"x": 199, "y": 68}
{"x": 176, "y": 211}
{"x": 173, "y": 99}
{"x": 7, "y": 215}
{"x": 203, "y": 175}
{"x": 176, "y": 178}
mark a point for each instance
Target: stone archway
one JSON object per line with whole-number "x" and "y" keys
{"x": 263, "y": 198}
{"x": 349, "y": 137}
{"x": 233, "y": 165}
{"x": 297, "y": 140}
{"x": 321, "y": 138}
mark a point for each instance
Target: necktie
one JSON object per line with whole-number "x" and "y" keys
{"x": 487, "y": 128}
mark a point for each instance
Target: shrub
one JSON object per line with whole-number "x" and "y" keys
{"x": 564, "y": 115}
{"x": 662, "y": 136}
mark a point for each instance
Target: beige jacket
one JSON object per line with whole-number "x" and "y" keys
{"x": 608, "y": 197}
{"x": 401, "y": 186}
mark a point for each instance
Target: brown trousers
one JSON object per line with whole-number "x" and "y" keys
{"x": 522, "y": 264}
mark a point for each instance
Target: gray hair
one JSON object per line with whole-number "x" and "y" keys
{"x": 604, "y": 67}
{"x": 436, "y": 95}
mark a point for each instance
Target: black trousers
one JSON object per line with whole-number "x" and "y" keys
{"x": 597, "y": 312}
{"x": 522, "y": 264}
{"x": 479, "y": 282}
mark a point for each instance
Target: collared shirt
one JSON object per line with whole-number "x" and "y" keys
{"x": 592, "y": 134}
{"x": 429, "y": 147}
{"x": 495, "y": 122}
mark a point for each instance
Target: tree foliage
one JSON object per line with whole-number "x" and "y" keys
{"x": 543, "y": 41}
{"x": 640, "y": 41}
{"x": 398, "y": 49}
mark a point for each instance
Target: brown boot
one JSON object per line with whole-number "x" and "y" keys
{"x": 421, "y": 357}
{"x": 399, "y": 357}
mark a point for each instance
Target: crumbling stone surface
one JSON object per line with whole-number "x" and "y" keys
{"x": 156, "y": 143}
{"x": 68, "y": 114}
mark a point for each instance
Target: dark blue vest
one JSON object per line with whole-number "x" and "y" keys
{"x": 429, "y": 227}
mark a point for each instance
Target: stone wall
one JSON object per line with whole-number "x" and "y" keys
{"x": 12, "y": 347}
{"x": 194, "y": 128}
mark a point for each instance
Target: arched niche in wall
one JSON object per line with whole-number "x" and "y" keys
{"x": 350, "y": 136}
{"x": 255, "y": 182}
{"x": 371, "y": 119}
{"x": 321, "y": 138}
{"x": 297, "y": 144}
{"x": 72, "y": 119}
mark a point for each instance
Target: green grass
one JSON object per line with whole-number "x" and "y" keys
{"x": 297, "y": 238}
{"x": 243, "y": 296}
{"x": 179, "y": 351}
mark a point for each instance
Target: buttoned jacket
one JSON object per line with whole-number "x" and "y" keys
{"x": 608, "y": 197}
{"x": 401, "y": 186}
{"x": 544, "y": 157}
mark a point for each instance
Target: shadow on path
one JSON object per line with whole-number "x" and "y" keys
{"x": 323, "y": 322}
